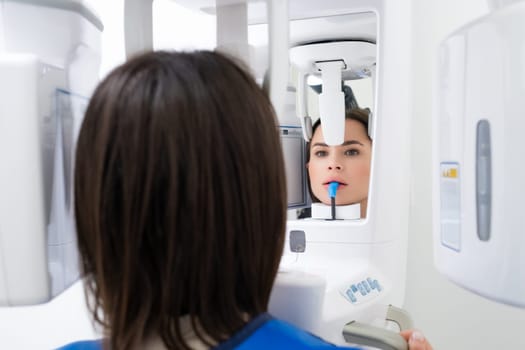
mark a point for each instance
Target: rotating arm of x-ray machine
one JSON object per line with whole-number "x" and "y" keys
{"x": 478, "y": 170}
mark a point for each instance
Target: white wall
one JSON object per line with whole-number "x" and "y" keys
{"x": 175, "y": 27}
{"x": 452, "y": 318}
{"x": 112, "y": 15}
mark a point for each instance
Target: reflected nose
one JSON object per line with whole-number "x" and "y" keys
{"x": 335, "y": 164}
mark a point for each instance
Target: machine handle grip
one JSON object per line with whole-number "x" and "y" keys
{"x": 364, "y": 334}
{"x": 399, "y": 316}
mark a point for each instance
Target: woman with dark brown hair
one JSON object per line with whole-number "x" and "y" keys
{"x": 347, "y": 164}
{"x": 180, "y": 207}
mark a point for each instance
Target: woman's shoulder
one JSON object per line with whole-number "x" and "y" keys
{"x": 267, "y": 332}
{"x": 263, "y": 332}
{"x": 83, "y": 345}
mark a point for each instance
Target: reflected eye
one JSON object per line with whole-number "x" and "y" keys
{"x": 352, "y": 152}
{"x": 320, "y": 154}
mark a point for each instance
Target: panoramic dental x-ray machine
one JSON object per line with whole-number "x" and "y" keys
{"x": 336, "y": 276}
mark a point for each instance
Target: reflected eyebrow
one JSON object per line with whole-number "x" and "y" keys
{"x": 352, "y": 142}
{"x": 346, "y": 143}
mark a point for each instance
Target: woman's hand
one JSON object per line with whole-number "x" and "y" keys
{"x": 416, "y": 340}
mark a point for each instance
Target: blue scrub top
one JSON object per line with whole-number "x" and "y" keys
{"x": 263, "y": 332}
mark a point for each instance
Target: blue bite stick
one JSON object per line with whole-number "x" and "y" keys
{"x": 332, "y": 190}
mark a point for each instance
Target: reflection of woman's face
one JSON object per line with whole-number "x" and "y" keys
{"x": 348, "y": 164}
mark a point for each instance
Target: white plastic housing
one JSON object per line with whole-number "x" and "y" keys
{"x": 334, "y": 272}
{"x": 331, "y": 62}
{"x": 49, "y": 60}
{"x": 479, "y": 169}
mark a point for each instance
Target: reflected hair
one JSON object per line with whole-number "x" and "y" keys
{"x": 180, "y": 199}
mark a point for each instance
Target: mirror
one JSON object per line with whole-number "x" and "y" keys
{"x": 347, "y": 164}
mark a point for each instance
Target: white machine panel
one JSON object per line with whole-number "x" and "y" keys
{"x": 479, "y": 169}
{"x": 48, "y": 70}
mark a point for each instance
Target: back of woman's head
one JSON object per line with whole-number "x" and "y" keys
{"x": 179, "y": 198}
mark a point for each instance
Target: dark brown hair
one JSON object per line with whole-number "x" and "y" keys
{"x": 180, "y": 198}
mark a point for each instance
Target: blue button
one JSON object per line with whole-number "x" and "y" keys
{"x": 362, "y": 289}
{"x": 374, "y": 284}
{"x": 354, "y": 288}
{"x": 351, "y": 295}
{"x": 365, "y": 284}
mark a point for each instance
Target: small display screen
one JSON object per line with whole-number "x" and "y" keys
{"x": 294, "y": 158}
